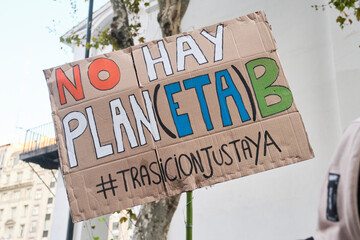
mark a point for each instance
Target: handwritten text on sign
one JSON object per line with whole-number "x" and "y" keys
{"x": 174, "y": 115}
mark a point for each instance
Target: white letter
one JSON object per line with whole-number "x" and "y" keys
{"x": 101, "y": 151}
{"x": 193, "y": 50}
{"x": 150, "y": 62}
{"x": 118, "y": 120}
{"x": 217, "y": 41}
{"x": 141, "y": 119}
{"x": 71, "y": 135}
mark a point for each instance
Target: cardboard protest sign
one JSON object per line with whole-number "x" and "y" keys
{"x": 173, "y": 115}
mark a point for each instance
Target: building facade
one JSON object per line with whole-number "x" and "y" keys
{"x": 26, "y": 197}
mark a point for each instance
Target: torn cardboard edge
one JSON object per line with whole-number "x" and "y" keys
{"x": 139, "y": 65}
{"x": 253, "y": 17}
{"x": 86, "y": 200}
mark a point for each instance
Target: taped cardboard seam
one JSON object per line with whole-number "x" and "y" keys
{"x": 258, "y": 121}
{"x": 254, "y": 17}
{"x": 161, "y": 173}
{"x": 135, "y": 177}
{"x": 107, "y": 163}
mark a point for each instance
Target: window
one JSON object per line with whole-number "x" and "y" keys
{"x": 35, "y": 210}
{"x": 1, "y": 213}
{"x": 19, "y": 176}
{"x": 52, "y": 184}
{"x": 26, "y": 208}
{"x": 9, "y": 231}
{"x": 28, "y": 193}
{"x": 50, "y": 200}
{"x": 47, "y": 225}
{"x": 2, "y": 155}
{"x": 7, "y": 180}
{"x": 40, "y": 179}
{"x": 45, "y": 233}
{"x": 49, "y": 208}
{"x": 31, "y": 175}
{"x": 13, "y": 212}
{"x": 38, "y": 194}
{"x": 16, "y": 195}
{"x": 22, "y": 230}
{"x": 115, "y": 225}
{"x": 4, "y": 197}
{"x": 53, "y": 179}
{"x": 47, "y": 216}
{"x": 15, "y": 159}
{"x": 33, "y": 226}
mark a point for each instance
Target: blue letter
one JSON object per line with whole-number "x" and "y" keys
{"x": 229, "y": 91}
{"x": 198, "y": 83}
{"x": 182, "y": 122}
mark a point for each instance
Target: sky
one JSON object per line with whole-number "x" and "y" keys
{"x": 29, "y": 44}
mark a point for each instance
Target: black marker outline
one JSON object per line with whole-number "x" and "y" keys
{"x": 222, "y": 41}
{"x": 74, "y": 84}
{"x": 248, "y": 91}
{"x": 153, "y": 59}
{"x": 121, "y": 130}
{"x": 166, "y": 130}
{"x": 142, "y": 125}
{"x": 177, "y": 56}
{"x": 277, "y": 77}
{"x": 90, "y": 81}
{"x": 97, "y": 134}
{"x": 63, "y": 125}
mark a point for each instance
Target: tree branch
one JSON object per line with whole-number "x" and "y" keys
{"x": 154, "y": 218}
{"x": 170, "y": 15}
{"x": 120, "y": 25}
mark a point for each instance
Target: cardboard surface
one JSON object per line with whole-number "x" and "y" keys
{"x": 173, "y": 115}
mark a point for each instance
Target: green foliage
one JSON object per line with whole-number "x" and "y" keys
{"x": 132, "y": 215}
{"x": 349, "y": 10}
{"x": 123, "y": 219}
{"x": 129, "y": 216}
{"x": 100, "y": 41}
{"x": 104, "y": 38}
{"x": 133, "y": 7}
{"x": 73, "y": 38}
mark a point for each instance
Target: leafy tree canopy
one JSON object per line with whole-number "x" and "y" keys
{"x": 348, "y": 10}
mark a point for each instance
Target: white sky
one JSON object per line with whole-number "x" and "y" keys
{"x": 28, "y": 47}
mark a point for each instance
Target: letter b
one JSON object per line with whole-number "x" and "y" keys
{"x": 263, "y": 87}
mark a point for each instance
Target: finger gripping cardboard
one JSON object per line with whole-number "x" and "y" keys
{"x": 172, "y": 115}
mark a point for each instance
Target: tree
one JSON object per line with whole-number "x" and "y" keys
{"x": 348, "y": 10}
{"x": 154, "y": 218}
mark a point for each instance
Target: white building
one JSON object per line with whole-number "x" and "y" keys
{"x": 26, "y": 203}
{"x": 321, "y": 62}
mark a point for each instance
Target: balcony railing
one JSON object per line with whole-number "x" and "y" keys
{"x": 39, "y": 137}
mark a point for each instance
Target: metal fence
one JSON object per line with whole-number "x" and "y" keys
{"x": 39, "y": 137}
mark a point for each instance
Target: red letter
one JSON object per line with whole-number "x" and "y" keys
{"x": 62, "y": 81}
{"x": 103, "y": 64}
